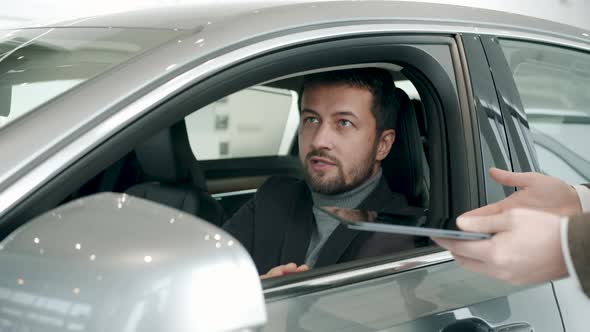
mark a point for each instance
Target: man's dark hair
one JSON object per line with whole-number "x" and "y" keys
{"x": 378, "y": 81}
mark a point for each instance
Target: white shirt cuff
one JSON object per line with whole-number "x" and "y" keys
{"x": 565, "y": 250}
{"x": 584, "y": 196}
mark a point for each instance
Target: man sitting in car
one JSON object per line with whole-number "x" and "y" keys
{"x": 347, "y": 121}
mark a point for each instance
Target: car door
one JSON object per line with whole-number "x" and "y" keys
{"x": 548, "y": 85}
{"x": 416, "y": 290}
{"x": 424, "y": 290}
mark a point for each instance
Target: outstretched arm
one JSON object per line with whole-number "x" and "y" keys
{"x": 528, "y": 230}
{"x": 536, "y": 191}
{"x": 525, "y": 248}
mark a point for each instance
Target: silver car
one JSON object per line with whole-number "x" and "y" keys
{"x": 105, "y": 226}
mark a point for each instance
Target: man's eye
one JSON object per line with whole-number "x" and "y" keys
{"x": 310, "y": 119}
{"x": 344, "y": 123}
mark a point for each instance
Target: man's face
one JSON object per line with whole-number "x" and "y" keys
{"x": 338, "y": 143}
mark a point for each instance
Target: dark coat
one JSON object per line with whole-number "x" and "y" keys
{"x": 275, "y": 226}
{"x": 579, "y": 244}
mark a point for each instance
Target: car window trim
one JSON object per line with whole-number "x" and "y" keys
{"x": 352, "y": 276}
{"x": 486, "y": 106}
{"x": 511, "y": 107}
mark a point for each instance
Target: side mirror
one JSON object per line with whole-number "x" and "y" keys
{"x": 114, "y": 262}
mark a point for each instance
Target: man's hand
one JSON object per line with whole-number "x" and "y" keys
{"x": 282, "y": 270}
{"x": 525, "y": 249}
{"x": 536, "y": 191}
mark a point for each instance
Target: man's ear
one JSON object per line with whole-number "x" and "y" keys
{"x": 385, "y": 141}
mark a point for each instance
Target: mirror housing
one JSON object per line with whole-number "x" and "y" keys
{"x": 114, "y": 262}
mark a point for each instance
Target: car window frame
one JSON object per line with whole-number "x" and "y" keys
{"x": 299, "y": 283}
{"x": 209, "y": 90}
{"x": 284, "y": 142}
{"x": 344, "y": 274}
{"x": 520, "y": 141}
{"x": 486, "y": 103}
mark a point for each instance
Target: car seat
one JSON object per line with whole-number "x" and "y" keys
{"x": 406, "y": 168}
{"x": 173, "y": 177}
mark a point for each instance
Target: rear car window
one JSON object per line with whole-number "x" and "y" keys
{"x": 259, "y": 121}
{"x": 553, "y": 83}
{"x": 254, "y": 122}
{"x": 37, "y": 65}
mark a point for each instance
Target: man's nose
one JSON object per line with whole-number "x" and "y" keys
{"x": 323, "y": 138}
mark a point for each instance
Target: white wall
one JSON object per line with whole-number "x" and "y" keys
{"x": 573, "y": 12}
{"x": 15, "y": 13}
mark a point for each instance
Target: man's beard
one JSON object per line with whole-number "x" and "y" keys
{"x": 336, "y": 185}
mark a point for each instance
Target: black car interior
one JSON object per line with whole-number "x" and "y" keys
{"x": 405, "y": 168}
{"x": 172, "y": 175}
{"x": 164, "y": 169}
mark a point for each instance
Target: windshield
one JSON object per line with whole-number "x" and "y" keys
{"x": 37, "y": 65}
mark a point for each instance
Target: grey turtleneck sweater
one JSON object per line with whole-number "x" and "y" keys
{"x": 325, "y": 224}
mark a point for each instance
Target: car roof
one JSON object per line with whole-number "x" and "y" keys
{"x": 247, "y": 15}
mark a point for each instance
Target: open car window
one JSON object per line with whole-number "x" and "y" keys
{"x": 241, "y": 140}
{"x": 258, "y": 121}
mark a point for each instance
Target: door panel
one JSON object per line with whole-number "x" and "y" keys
{"x": 427, "y": 299}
